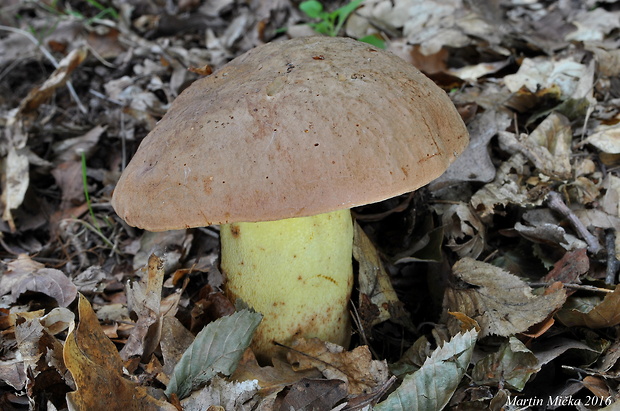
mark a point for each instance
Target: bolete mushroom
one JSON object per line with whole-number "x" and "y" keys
{"x": 276, "y": 146}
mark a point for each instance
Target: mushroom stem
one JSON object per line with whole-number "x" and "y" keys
{"x": 297, "y": 272}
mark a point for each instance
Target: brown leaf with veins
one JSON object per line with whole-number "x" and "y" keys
{"x": 500, "y": 302}
{"x": 604, "y": 314}
{"x": 355, "y": 367}
{"x": 271, "y": 379}
{"x": 97, "y": 369}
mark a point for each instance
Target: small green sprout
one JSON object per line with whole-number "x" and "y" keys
{"x": 330, "y": 23}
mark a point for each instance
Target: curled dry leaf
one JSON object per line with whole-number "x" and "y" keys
{"x": 548, "y": 147}
{"x": 465, "y": 232}
{"x": 97, "y": 369}
{"x": 271, "y": 379}
{"x": 375, "y": 286}
{"x": 500, "y": 302}
{"x": 592, "y": 313}
{"x": 356, "y": 368}
{"x": 144, "y": 299}
{"x": 25, "y": 274}
{"x": 57, "y": 79}
{"x": 506, "y": 188}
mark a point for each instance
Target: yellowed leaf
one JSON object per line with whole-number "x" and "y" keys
{"x": 97, "y": 368}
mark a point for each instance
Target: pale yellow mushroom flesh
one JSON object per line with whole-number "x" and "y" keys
{"x": 297, "y": 272}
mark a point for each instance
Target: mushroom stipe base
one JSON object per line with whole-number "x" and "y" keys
{"x": 297, "y": 272}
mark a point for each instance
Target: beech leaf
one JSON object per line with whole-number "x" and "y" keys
{"x": 500, "y": 302}
{"x": 216, "y": 349}
{"x": 432, "y": 386}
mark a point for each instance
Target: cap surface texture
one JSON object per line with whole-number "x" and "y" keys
{"x": 290, "y": 129}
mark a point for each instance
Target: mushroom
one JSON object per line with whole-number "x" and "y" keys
{"x": 276, "y": 146}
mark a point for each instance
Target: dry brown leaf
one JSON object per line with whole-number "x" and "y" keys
{"x": 597, "y": 386}
{"x": 58, "y": 78}
{"x": 465, "y": 232}
{"x": 570, "y": 268}
{"x": 603, "y": 314}
{"x": 506, "y": 188}
{"x": 271, "y": 379}
{"x": 42, "y": 356}
{"x": 68, "y": 176}
{"x": 500, "y": 302}
{"x": 357, "y": 368}
{"x": 375, "y": 286}
{"x": 548, "y": 147}
{"x": 175, "y": 339}
{"x": 314, "y": 394}
{"x": 144, "y": 299}
{"x": 97, "y": 369}
{"x": 25, "y": 274}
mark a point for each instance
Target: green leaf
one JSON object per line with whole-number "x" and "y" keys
{"x": 373, "y": 40}
{"x": 216, "y": 349}
{"x": 343, "y": 14}
{"x": 432, "y": 386}
{"x": 312, "y": 8}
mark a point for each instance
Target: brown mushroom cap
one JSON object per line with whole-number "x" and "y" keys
{"x": 291, "y": 129}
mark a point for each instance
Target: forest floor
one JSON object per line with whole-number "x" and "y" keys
{"x": 498, "y": 284}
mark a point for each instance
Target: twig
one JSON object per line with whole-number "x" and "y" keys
{"x": 611, "y": 275}
{"x": 52, "y": 60}
{"x": 575, "y": 287}
{"x": 555, "y": 202}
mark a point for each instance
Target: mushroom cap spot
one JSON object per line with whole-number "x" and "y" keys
{"x": 277, "y": 133}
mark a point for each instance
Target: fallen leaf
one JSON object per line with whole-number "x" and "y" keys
{"x": 506, "y": 188}
{"x": 314, "y": 394}
{"x": 465, "y": 233}
{"x": 513, "y": 364}
{"x": 606, "y": 139}
{"x": 570, "y": 268}
{"x": 216, "y": 349}
{"x": 375, "y": 284}
{"x": 549, "y": 349}
{"x": 97, "y": 369}
{"x": 42, "y": 356}
{"x": 15, "y": 181}
{"x": 229, "y": 395}
{"x": 432, "y": 386}
{"x": 25, "y": 274}
{"x": 271, "y": 379}
{"x": 500, "y": 302}
{"x": 58, "y": 78}
{"x": 544, "y": 73}
{"x": 175, "y": 339}
{"x": 356, "y": 367}
{"x": 144, "y": 299}
{"x": 475, "y": 164}
{"x": 548, "y": 147}
{"x": 68, "y": 176}
{"x": 592, "y": 313}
